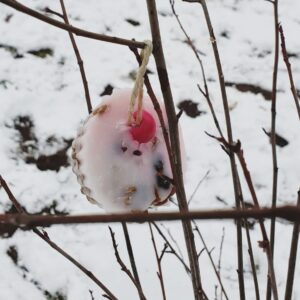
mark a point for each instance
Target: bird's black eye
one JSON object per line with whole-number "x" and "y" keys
{"x": 159, "y": 166}
{"x": 162, "y": 182}
{"x": 124, "y": 148}
{"x": 137, "y": 152}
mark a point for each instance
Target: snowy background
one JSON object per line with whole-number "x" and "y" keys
{"x": 42, "y": 105}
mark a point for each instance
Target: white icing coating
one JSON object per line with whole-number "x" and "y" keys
{"x": 115, "y": 178}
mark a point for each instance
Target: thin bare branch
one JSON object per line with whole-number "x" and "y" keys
{"x": 287, "y": 212}
{"x": 132, "y": 261}
{"x": 220, "y": 255}
{"x": 265, "y": 244}
{"x": 158, "y": 260}
{"x": 172, "y": 238}
{"x": 210, "y": 105}
{"x": 211, "y": 259}
{"x": 80, "y": 32}
{"x": 120, "y": 261}
{"x": 172, "y": 249}
{"x": 273, "y": 137}
{"x": 198, "y": 185}
{"x": 234, "y": 171}
{"x": 175, "y": 146}
{"x": 44, "y": 236}
{"x": 293, "y": 258}
{"x": 50, "y": 11}
{"x": 289, "y": 69}
{"x": 79, "y": 59}
{"x": 250, "y": 250}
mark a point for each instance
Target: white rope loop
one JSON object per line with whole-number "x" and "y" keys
{"x": 137, "y": 91}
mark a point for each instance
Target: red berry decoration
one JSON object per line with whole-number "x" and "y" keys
{"x": 145, "y": 131}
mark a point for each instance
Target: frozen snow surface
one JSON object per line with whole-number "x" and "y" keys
{"x": 43, "y": 105}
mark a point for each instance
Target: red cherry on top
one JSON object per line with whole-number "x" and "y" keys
{"x": 145, "y": 131}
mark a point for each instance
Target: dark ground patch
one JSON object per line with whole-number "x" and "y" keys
{"x": 190, "y": 108}
{"x": 279, "y": 140}
{"x": 7, "y": 231}
{"x": 29, "y": 146}
{"x": 133, "y": 22}
{"x": 255, "y": 89}
{"x": 42, "y": 53}
{"x": 107, "y": 90}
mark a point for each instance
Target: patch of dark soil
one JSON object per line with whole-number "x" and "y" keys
{"x": 225, "y": 34}
{"x": 56, "y": 160}
{"x": 28, "y": 142}
{"x": 5, "y": 83}
{"x": 133, "y": 22}
{"x": 29, "y": 148}
{"x": 52, "y": 209}
{"x": 293, "y": 55}
{"x": 7, "y": 231}
{"x": 279, "y": 140}
{"x": 12, "y": 252}
{"x": 190, "y": 108}
{"x": 133, "y": 73}
{"x": 255, "y": 89}
{"x": 42, "y": 53}
{"x": 107, "y": 90}
{"x": 8, "y": 17}
{"x": 12, "y": 50}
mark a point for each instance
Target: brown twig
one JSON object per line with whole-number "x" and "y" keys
{"x": 220, "y": 255}
{"x": 289, "y": 69}
{"x": 208, "y": 253}
{"x": 205, "y": 93}
{"x": 121, "y": 263}
{"x": 273, "y": 137}
{"x": 80, "y": 32}
{"x": 193, "y": 47}
{"x": 287, "y": 212}
{"x": 132, "y": 261}
{"x": 44, "y": 236}
{"x": 211, "y": 260}
{"x": 210, "y": 105}
{"x": 197, "y": 187}
{"x": 50, "y": 11}
{"x": 250, "y": 250}
{"x": 172, "y": 238}
{"x": 172, "y": 249}
{"x": 175, "y": 146}
{"x": 234, "y": 171}
{"x": 265, "y": 244}
{"x": 158, "y": 260}
{"x": 79, "y": 59}
{"x": 292, "y": 258}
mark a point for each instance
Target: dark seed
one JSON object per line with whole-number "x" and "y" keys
{"x": 137, "y": 152}
{"x": 159, "y": 166}
{"x": 162, "y": 182}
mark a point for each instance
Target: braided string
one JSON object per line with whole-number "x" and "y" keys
{"x": 137, "y": 91}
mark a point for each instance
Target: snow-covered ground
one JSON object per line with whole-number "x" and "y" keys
{"x": 42, "y": 105}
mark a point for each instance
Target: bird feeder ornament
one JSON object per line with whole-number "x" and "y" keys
{"x": 119, "y": 155}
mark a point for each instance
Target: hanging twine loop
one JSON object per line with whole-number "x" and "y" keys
{"x": 137, "y": 91}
